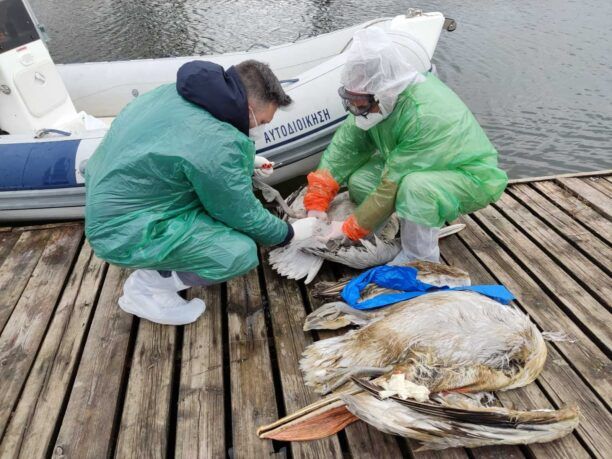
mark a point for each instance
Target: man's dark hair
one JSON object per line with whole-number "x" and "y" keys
{"x": 261, "y": 83}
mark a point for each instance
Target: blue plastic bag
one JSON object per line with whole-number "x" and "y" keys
{"x": 404, "y": 278}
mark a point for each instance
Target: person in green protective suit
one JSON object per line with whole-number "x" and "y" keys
{"x": 169, "y": 189}
{"x": 409, "y": 145}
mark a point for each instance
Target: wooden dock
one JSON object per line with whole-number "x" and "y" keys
{"x": 79, "y": 378}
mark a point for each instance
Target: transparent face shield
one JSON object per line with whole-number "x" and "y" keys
{"x": 355, "y": 103}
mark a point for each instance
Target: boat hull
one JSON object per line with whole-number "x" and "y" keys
{"x": 42, "y": 179}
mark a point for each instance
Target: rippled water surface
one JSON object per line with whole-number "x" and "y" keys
{"x": 537, "y": 75}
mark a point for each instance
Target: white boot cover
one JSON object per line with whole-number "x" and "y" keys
{"x": 150, "y": 296}
{"x": 419, "y": 242}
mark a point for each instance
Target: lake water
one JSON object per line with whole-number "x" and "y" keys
{"x": 537, "y": 75}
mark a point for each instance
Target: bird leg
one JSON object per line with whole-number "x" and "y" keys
{"x": 358, "y": 372}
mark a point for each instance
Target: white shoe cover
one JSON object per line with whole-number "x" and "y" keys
{"x": 419, "y": 242}
{"x": 150, "y": 296}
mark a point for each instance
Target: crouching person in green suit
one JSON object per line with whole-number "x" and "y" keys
{"x": 409, "y": 145}
{"x": 169, "y": 189}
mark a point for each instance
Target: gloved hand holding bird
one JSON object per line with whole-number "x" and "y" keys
{"x": 319, "y": 237}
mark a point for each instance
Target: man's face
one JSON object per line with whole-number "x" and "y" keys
{"x": 261, "y": 113}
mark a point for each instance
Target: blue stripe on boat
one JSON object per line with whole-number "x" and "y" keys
{"x": 38, "y": 165}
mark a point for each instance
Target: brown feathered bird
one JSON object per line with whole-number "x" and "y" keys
{"x": 427, "y": 357}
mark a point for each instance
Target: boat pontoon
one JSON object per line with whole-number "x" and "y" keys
{"x": 52, "y": 117}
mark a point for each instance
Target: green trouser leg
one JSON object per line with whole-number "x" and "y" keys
{"x": 433, "y": 198}
{"x": 365, "y": 179}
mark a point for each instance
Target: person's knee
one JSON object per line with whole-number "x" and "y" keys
{"x": 417, "y": 201}
{"x": 365, "y": 179}
{"x": 232, "y": 256}
{"x": 246, "y": 253}
{"x": 359, "y": 186}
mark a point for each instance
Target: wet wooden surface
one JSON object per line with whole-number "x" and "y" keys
{"x": 79, "y": 378}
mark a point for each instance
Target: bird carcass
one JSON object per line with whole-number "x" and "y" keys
{"x": 419, "y": 368}
{"x": 303, "y": 259}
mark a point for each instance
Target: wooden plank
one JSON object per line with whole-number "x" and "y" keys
{"x": 88, "y": 422}
{"x": 577, "y": 209}
{"x": 552, "y": 177}
{"x": 145, "y": 422}
{"x": 287, "y": 314}
{"x": 25, "y": 329}
{"x": 7, "y": 241}
{"x": 47, "y": 226}
{"x": 589, "y": 275}
{"x": 16, "y": 270}
{"x": 593, "y": 197}
{"x": 529, "y": 397}
{"x": 588, "y": 359}
{"x": 573, "y": 231}
{"x": 561, "y": 383}
{"x": 501, "y": 451}
{"x": 252, "y": 386}
{"x": 364, "y": 441}
{"x": 601, "y": 184}
{"x": 453, "y": 453}
{"x": 32, "y": 424}
{"x": 566, "y": 290}
{"x": 200, "y": 428}
{"x": 564, "y": 387}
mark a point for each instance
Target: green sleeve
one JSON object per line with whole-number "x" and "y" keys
{"x": 349, "y": 149}
{"x": 225, "y": 188}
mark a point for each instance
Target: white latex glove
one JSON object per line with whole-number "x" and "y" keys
{"x": 263, "y": 167}
{"x": 333, "y": 231}
{"x": 318, "y": 214}
{"x": 304, "y": 228}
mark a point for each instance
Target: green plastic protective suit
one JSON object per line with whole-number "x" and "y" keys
{"x": 429, "y": 160}
{"x": 170, "y": 188}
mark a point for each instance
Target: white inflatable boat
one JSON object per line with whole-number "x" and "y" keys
{"x": 52, "y": 117}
